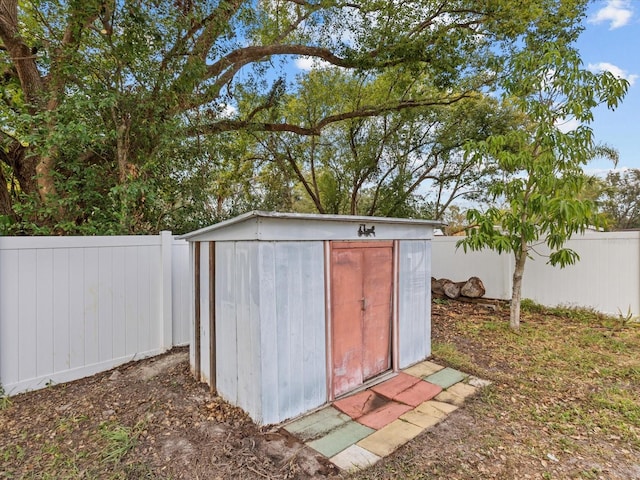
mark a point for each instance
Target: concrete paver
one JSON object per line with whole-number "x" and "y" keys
{"x": 457, "y": 393}
{"x": 389, "y": 438}
{"x": 361, "y": 428}
{"x": 340, "y": 438}
{"x": 384, "y": 415}
{"x": 360, "y": 403}
{"x": 317, "y": 423}
{"x": 354, "y": 458}
{"x": 422, "y": 419}
{"x": 446, "y": 377}
{"x": 418, "y": 393}
{"x": 397, "y": 384}
{"x": 436, "y": 408}
{"x": 423, "y": 369}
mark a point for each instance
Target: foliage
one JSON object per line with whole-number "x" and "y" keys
{"x": 387, "y": 165}
{"x": 5, "y": 401}
{"x": 120, "y": 440}
{"x": 541, "y": 165}
{"x": 121, "y": 117}
{"x": 619, "y": 199}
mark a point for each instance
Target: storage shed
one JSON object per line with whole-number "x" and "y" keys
{"x": 294, "y": 310}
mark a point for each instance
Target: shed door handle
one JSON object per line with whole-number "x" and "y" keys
{"x": 364, "y": 303}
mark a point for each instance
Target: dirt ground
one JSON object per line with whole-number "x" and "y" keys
{"x": 150, "y": 419}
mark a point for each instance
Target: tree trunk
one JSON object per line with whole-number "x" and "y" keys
{"x": 473, "y": 288}
{"x": 516, "y": 292}
{"x": 5, "y": 198}
{"x": 451, "y": 289}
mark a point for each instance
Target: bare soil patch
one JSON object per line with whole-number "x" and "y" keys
{"x": 565, "y": 404}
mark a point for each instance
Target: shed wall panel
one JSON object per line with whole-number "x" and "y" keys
{"x": 414, "y": 309}
{"x": 270, "y": 367}
{"x": 247, "y": 290}
{"x": 293, "y": 329}
{"x": 205, "y": 349}
{"x": 226, "y": 345}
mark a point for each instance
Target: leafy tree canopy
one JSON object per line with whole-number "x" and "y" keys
{"x": 619, "y": 199}
{"x": 123, "y": 116}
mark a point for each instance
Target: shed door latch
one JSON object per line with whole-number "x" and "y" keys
{"x": 366, "y": 232}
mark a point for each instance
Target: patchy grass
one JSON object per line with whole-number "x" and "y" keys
{"x": 564, "y": 403}
{"x": 120, "y": 440}
{"x": 5, "y": 401}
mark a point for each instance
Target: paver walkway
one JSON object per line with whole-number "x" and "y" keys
{"x": 358, "y": 430}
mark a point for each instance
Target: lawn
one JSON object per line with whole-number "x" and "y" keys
{"x": 564, "y": 404}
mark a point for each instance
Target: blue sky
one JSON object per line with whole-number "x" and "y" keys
{"x": 611, "y": 41}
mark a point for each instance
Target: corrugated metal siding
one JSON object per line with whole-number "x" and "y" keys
{"x": 293, "y": 329}
{"x": 205, "y": 373}
{"x": 270, "y": 333}
{"x": 238, "y": 325}
{"x": 248, "y": 326}
{"x": 226, "y": 343}
{"x": 414, "y": 309}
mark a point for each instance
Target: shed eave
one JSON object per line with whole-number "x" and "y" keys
{"x": 204, "y": 234}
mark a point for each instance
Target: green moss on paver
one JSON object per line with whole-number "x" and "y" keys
{"x": 446, "y": 377}
{"x": 340, "y": 438}
{"x": 317, "y": 424}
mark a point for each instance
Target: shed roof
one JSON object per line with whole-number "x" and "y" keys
{"x": 270, "y": 226}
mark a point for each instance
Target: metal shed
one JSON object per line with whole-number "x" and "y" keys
{"x": 294, "y": 310}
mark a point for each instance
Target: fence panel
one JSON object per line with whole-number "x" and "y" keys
{"x": 74, "y": 306}
{"x": 607, "y": 277}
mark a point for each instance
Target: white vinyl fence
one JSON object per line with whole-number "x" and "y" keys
{"x": 607, "y": 277}
{"x": 74, "y": 306}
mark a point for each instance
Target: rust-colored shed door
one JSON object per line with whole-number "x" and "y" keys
{"x": 361, "y": 300}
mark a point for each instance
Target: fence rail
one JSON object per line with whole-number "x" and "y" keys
{"x": 74, "y": 306}
{"x": 607, "y": 277}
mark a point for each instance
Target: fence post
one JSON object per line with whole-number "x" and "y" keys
{"x": 166, "y": 245}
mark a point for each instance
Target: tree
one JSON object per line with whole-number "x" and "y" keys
{"x": 99, "y": 94}
{"x": 619, "y": 199}
{"x": 542, "y": 165}
{"x": 400, "y": 163}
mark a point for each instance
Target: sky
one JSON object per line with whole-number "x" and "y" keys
{"x": 611, "y": 41}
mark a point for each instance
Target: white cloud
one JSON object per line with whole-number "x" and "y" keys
{"x": 616, "y": 12}
{"x": 311, "y": 63}
{"x": 602, "y": 172}
{"x": 614, "y": 69}
{"x": 567, "y": 125}
{"x": 227, "y": 111}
